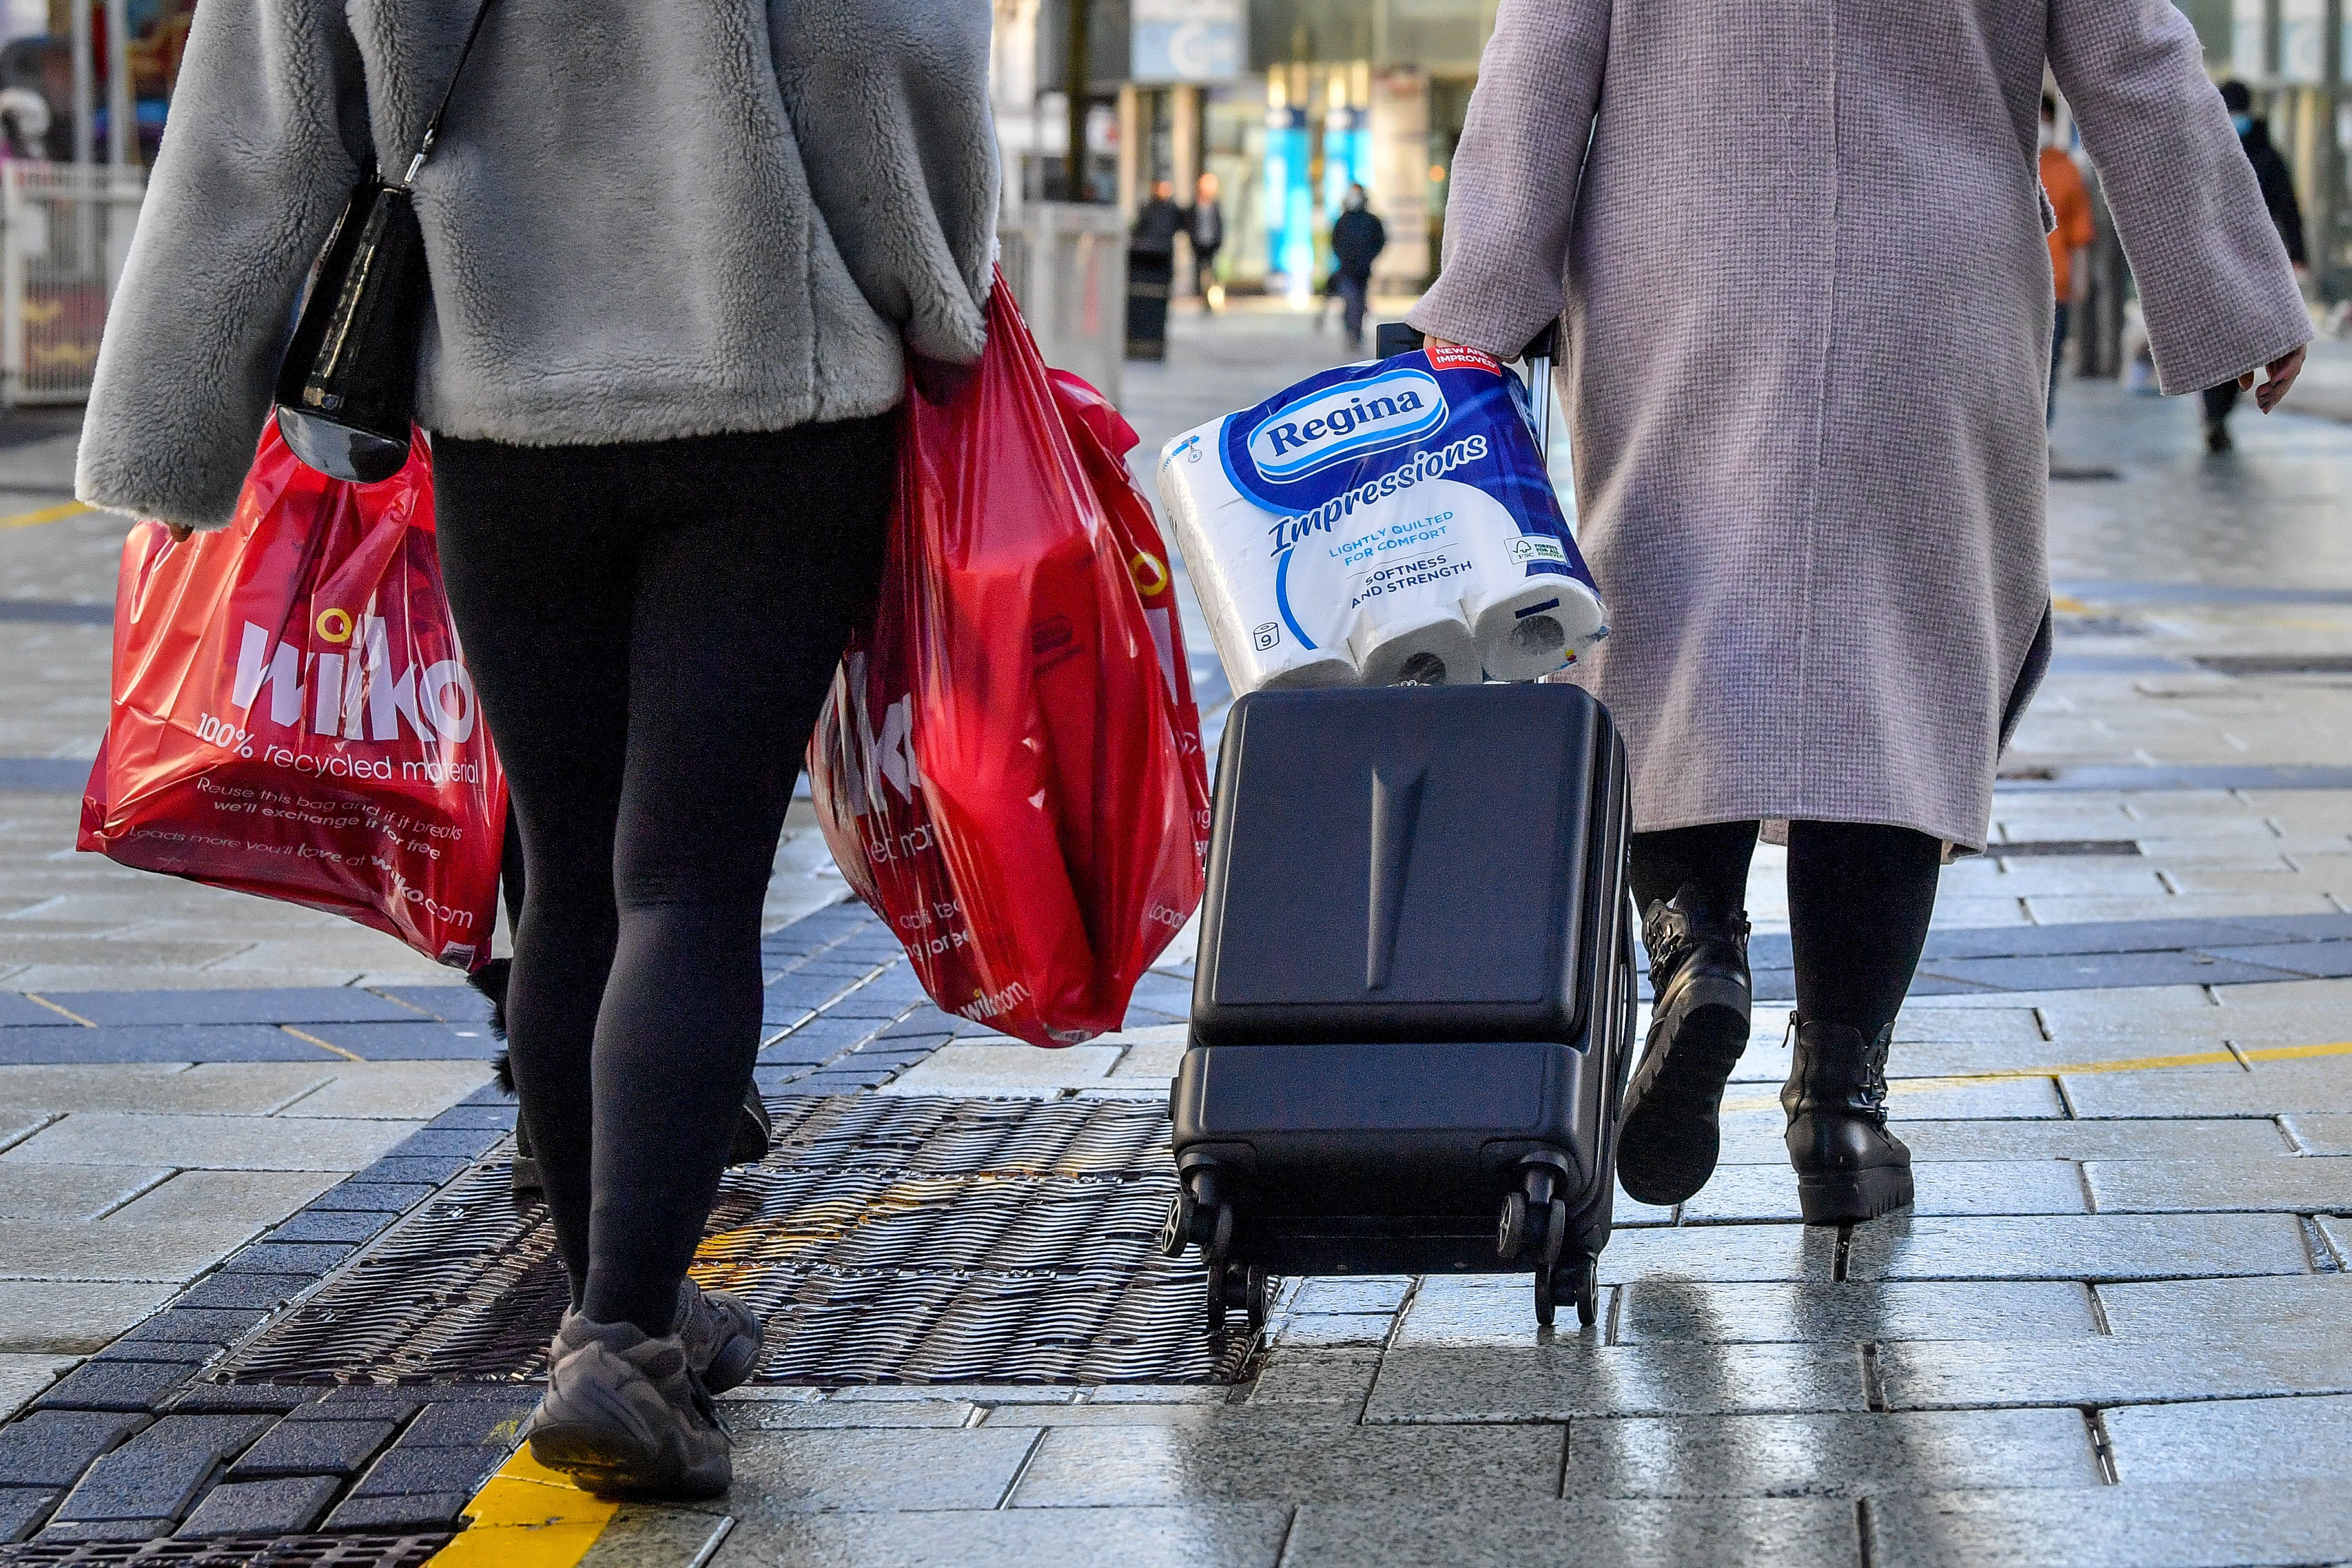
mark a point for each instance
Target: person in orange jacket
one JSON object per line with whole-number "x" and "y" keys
{"x": 2071, "y": 200}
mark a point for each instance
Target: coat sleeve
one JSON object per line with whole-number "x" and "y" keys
{"x": 890, "y": 102}
{"x": 1511, "y": 198}
{"x": 268, "y": 133}
{"x": 2214, "y": 283}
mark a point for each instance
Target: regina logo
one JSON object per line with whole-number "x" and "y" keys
{"x": 1352, "y": 420}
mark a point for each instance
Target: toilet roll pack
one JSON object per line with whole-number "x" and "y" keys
{"x": 1383, "y": 522}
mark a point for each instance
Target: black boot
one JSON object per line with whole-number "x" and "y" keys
{"x": 1668, "y": 1139}
{"x": 1849, "y": 1167}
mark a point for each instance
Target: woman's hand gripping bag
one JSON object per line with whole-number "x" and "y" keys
{"x": 1002, "y": 769}
{"x": 292, "y": 715}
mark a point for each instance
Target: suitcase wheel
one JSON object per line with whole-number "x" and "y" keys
{"x": 1574, "y": 1279}
{"x": 1244, "y": 1284}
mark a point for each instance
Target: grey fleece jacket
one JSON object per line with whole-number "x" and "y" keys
{"x": 644, "y": 220}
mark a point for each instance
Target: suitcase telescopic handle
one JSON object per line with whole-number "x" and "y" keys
{"x": 1538, "y": 355}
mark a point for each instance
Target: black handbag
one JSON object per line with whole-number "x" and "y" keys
{"x": 347, "y": 388}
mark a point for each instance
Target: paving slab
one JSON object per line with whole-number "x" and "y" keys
{"x": 1201, "y": 1535}
{"x": 2317, "y": 1306}
{"x": 119, "y": 1250}
{"x": 71, "y": 1192}
{"x": 1366, "y": 1293}
{"x": 158, "y": 1042}
{"x": 1017, "y": 1069}
{"x": 1768, "y": 1193}
{"x": 1847, "y": 1456}
{"x": 1750, "y": 1533}
{"x": 2291, "y": 1184}
{"x": 2102, "y": 1140}
{"x": 1961, "y": 1099}
{"x": 1255, "y": 1462}
{"x": 2077, "y": 1246}
{"x": 1676, "y": 1311}
{"x": 2251, "y": 1439}
{"x": 1567, "y": 1379}
{"x": 450, "y": 1004}
{"x": 211, "y": 1143}
{"x": 2109, "y": 1370}
{"x": 53, "y": 1448}
{"x": 73, "y": 1317}
{"x": 238, "y": 1089}
{"x": 415, "y": 1040}
{"x": 289, "y": 1506}
{"x": 821, "y": 1415}
{"x": 2271, "y": 1089}
{"x": 2320, "y": 1132}
{"x": 874, "y": 1470}
{"x": 2212, "y": 1525}
{"x": 1725, "y": 1252}
{"x": 312, "y": 1004}
{"x": 261, "y": 1197}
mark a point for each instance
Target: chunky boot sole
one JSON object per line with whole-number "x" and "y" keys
{"x": 602, "y": 1443}
{"x": 732, "y": 1366}
{"x": 1668, "y": 1140}
{"x": 1848, "y": 1197}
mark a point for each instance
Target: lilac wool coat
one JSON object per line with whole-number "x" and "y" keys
{"x": 1800, "y": 248}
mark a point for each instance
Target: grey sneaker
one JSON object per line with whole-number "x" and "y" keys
{"x": 625, "y": 1415}
{"x": 720, "y": 1334}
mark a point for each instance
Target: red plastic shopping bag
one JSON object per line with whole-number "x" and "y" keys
{"x": 1103, "y": 439}
{"x": 292, "y": 715}
{"x": 1005, "y": 769}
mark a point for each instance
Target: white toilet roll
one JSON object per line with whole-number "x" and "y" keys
{"x": 1380, "y": 523}
{"x": 1433, "y": 648}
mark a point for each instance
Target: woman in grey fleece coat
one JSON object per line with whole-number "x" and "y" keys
{"x": 682, "y": 256}
{"x": 1800, "y": 248}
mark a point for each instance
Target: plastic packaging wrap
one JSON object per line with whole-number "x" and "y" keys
{"x": 1383, "y": 522}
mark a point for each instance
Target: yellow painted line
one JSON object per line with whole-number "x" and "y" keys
{"x": 2123, "y": 1064}
{"x": 526, "y": 1516}
{"x": 2066, "y": 605}
{"x": 55, "y": 1009}
{"x": 323, "y": 1045}
{"x": 46, "y": 514}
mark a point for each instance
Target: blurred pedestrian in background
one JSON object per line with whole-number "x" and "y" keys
{"x": 2277, "y": 185}
{"x": 660, "y": 375}
{"x": 2070, "y": 239}
{"x": 1151, "y": 272}
{"x": 1358, "y": 237}
{"x": 1808, "y": 314}
{"x": 1204, "y": 227}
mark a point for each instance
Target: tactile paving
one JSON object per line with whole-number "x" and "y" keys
{"x": 885, "y": 1238}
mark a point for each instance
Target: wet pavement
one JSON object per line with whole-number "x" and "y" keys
{"x": 2117, "y": 1327}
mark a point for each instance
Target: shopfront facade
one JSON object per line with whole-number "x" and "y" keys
{"x": 1287, "y": 103}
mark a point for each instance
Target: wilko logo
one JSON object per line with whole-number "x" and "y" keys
{"x": 1352, "y": 420}
{"x": 888, "y": 754}
{"x": 357, "y": 696}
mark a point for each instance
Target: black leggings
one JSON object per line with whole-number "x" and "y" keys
{"x": 1859, "y": 898}
{"x": 651, "y": 628}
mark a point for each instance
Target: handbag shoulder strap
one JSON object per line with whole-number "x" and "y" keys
{"x": 433, "y": 126}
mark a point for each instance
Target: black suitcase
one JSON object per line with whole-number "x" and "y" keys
{"x": 1415, "y": 992}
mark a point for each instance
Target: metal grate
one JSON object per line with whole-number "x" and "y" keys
{"x": 234, "y": 1552}
{"x": 885, "y": 1238}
